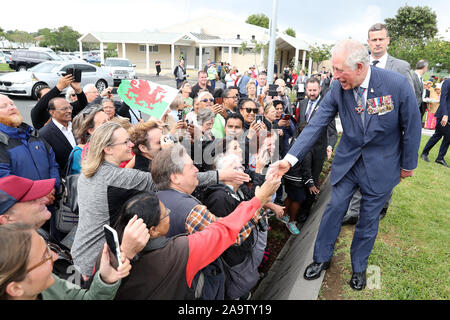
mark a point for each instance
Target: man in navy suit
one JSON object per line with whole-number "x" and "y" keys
{"x": 442, "y": 127}
{"x": 379, "y": 146}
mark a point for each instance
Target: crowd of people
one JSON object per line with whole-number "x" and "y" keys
{"x": 189, "y": 194}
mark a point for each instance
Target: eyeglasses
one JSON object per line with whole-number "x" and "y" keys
{"x": 49, "y": 256}
{"x": 127, "y": 142}
{"x": 207, "y": 100}
{"x": 232, "y": 97}
{"x": 167, "y": 214}
{"x": 65, "y": 109}
{"x": 249, "y": 110}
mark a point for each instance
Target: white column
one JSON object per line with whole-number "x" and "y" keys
{"x": 230, "y": 52}
{"x": 147, "y": 58}
{"x": 310, "y": 67}
{"x": 81, "y": 49}
{"x": 200, "y": 58}
{"x": 304, "y": 60}
{"x": 172, "y": 56}
{"x": 296, "y": 59}
{"x": 102, "y": 54}
{"x": 124, "y": 51}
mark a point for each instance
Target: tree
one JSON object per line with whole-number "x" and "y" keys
{"x": 259, "y": 20}
{"x": 64, "y": 38}
{"x": 290, "y": 32}
{"x": 320, "y": 53}
{"x": 21, "y": 37}
{"x": 413, "y": 23}
{"x": 256, "y": 49}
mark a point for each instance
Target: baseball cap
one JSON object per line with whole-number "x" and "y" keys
{"x": 15, "y": 189}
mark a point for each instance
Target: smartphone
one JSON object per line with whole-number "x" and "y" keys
{"x": 180, "y": 115}
{"x": 259, "y": 118}
{"x": 218, "y": 100}
{"x": 273, "y": 90}
{"x": 285, "y": 116}
{"x": 112, "y": 240}
{"x": 68, "y": 71}
{"x": 77, "y": 75}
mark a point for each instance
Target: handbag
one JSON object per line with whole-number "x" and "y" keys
{"x": 67, "y": 212}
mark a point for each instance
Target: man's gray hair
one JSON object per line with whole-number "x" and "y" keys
{"x": 204, "y": 115}
{"x": 421, "y": 64}
{"x": 378, "y": 27}
{"x": 167, "y": 162}
{"x": 89, "y": 86}
{"x": 355, "y": 51}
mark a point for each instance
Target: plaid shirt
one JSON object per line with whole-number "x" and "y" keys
{"x": 200, "y": 218}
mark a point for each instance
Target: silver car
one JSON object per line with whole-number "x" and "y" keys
{"x": 27, "y": 83}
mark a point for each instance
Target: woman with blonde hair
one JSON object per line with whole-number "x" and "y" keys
{"x": 251, "y": 90}
{"x": 101, "y": 183}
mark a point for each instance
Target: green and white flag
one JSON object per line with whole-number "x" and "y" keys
{"x": 146, "y": 96}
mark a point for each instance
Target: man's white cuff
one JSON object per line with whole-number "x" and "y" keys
{"x": 291, "y": 159}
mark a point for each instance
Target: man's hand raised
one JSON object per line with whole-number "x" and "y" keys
{"x": 64, "y": 82}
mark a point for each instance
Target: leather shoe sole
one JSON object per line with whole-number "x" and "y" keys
{"x": 314, "y": 270}
{"x": 442, "y": 162}
{"x": 358, "y": 281}
{"x": 350, "y": 220}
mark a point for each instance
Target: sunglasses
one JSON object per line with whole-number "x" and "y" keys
{"x": 207, "y": 100}
{"x": 249, "y": 110}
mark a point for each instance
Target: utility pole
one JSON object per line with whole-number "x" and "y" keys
{"x": 272, "y": 43}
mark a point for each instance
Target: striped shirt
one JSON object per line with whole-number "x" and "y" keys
{"x": 200, "y": 217}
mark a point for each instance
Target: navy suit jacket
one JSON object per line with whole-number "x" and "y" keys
{"x": 391, "y": 141}
{"x": 444, "y": 101}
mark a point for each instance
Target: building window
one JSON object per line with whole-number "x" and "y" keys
{"x": 225, "y": 49}
{"x": 142, "y": 48}
{"x": 236, "y": 50}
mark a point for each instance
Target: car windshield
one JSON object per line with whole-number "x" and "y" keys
{"x": 54, "y": 56}
{"x": 45, "y": 67}
{"x": 118, "y": 63}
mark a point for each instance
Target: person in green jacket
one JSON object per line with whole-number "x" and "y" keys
{"x": 26, "y": 264}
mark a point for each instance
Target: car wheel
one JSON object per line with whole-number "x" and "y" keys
{"x": 36, "y": 88}
{"x": 22, "y": 68}
{"x": 101, "y": 85}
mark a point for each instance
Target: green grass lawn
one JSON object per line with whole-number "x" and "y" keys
{"x": 5, "y": 67}
{"x": 412, "y": 246}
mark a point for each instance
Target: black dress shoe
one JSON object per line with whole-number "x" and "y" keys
{"x": 424, "y": 157}
{"x": 358, "y": 281}
{"x": 314, "y": 269}
{"x": 383, "y": 213}
{"x": 349, "y": 219}
{"x": 443, "y": 163}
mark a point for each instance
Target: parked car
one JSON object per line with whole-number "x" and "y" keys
{"x": 25, "y": 59}
{"x": 120, "y": 69}
{"x": 27, "y": 83}
{"x": 2, "y": 57}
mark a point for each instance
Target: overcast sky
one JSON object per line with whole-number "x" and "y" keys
{"x": 324, "y": 20}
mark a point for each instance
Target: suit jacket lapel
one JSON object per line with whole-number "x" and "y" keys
{"x": 60, "y": 135}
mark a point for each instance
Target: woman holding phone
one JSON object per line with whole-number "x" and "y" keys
{"x": 166, "y": 267}
{"x": 26, "y": 265}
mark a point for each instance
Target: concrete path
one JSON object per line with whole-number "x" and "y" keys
{"x": 284, "y": 280}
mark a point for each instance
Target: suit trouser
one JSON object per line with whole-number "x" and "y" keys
{"x": 355, "y": 204}
{"x": 367, "y": 227}
{"x": 438, "y": 134}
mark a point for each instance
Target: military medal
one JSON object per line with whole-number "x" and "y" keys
{"x": 360, "y": 107}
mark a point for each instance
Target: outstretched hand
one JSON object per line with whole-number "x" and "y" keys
{"x": 279, "y": 168}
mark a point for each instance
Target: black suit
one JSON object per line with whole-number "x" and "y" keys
{"x": 418, "y": 89}
{"x": 59, "y": 143}
{"x": 318, "y": 151}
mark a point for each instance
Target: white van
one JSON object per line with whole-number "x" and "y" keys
{"x": 120, "y": 69}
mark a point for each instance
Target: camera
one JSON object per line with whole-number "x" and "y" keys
{"x": 170, "y": 137}
{"x": 76, "y": 73}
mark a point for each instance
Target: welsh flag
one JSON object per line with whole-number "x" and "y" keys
{"x": 146, "y": 96}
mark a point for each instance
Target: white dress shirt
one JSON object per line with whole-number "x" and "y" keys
{"x": 67, "y": 132}
{"x": 382, "y": 63}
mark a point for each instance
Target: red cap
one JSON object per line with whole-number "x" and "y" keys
{"x": 15, "y": 189}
